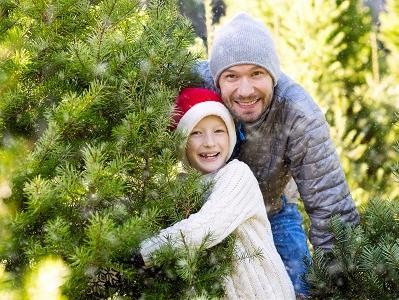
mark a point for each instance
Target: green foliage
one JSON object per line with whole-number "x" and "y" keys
{"x": 395, "y": 167}
{"x": 75, "y": 42}
{"x": 35, "y": 45}
{"x": 364, "y": 263}
{"x": 355, "y": 25}
{"x": 389, "y": 32}
{"x": 198, "y": 267}
{"x": 92, "y": 84}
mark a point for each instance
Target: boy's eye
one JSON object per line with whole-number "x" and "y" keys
{"x": 195, "y": 132}
{"x": 220, "y": 131}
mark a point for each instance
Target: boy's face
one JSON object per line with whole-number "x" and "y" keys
{"x": 247, "y": 91}
{"x": 208, "y": 145}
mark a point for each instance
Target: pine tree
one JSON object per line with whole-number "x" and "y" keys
{"x": 92, "y": 83}
{"x": 364, "y": 262}
{"x": 195, "y": 11}
{"x": 389, "y": 33}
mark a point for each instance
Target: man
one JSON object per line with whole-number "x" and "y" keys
{"x": 283, "y": 134}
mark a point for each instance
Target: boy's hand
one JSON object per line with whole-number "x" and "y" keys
{"x": 104, "y": 280}
{"x": 137, "y": 260}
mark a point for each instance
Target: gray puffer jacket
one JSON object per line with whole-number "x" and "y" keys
{"x": 292, "y": 139}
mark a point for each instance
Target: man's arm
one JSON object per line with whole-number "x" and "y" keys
{"x": 201, "y": 68}
{"x": 317, "y": 171}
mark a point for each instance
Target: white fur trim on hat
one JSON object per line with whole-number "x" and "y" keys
{"x": 200, "y": 111}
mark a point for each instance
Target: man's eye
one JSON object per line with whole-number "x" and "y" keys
{"x": 230, "y": 76}
{"x": 257, "y": 73}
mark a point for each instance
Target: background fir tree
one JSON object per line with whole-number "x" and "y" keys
{"x": 364, "y": 262}
{"x": 389, "y": 30}
{"x": 91, "y": 84}
{"x": 195, "y": 11}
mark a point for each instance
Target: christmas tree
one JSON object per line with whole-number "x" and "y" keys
{"x": 91, "y": 85}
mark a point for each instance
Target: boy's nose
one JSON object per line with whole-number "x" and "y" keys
{"x": 209, "y": 140}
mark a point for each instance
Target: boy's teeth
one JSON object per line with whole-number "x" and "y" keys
{"x": 209, "y": 155}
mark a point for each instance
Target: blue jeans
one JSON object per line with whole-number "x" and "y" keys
{"x": 291, "y": 243}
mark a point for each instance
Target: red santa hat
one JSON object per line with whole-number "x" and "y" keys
{"x": 194, "y": 104}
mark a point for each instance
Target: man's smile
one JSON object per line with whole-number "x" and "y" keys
{"x": 247, "y": 104}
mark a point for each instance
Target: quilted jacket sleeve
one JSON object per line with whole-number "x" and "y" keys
{"x": 317, "y": 171}
{"x": 235, "y": 198}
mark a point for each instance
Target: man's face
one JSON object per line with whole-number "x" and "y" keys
{"x": 247, "y": 91}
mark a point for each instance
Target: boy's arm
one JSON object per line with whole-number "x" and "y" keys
{"x": 235, "y": 198}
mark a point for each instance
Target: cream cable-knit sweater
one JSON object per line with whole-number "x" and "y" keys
{"x": 235, "y": 205}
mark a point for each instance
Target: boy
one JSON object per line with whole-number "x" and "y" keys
{"x": 235, "y": 204}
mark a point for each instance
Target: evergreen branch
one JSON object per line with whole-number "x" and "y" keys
{"x": 105, "y": 25}
{"x": 145, "y": 177}
{"x": 4, "y": 29}
{"x": 180, "y": 71}
{"x": 76, "y": 52}
{"x": 391, "y": 255}
{"x": 256, "y": 254}
{"x": 317, "y": 275}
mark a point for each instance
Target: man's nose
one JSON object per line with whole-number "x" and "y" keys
{"x": 245, "y": 87}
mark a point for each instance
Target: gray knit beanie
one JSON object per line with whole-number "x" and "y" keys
{"x": 243, "y": 40}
